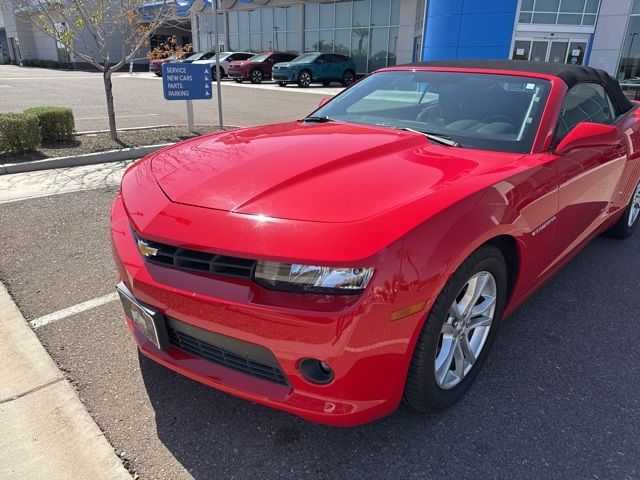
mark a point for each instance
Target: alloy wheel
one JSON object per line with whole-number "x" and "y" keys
{"x": 635, "y": 206}
{"x": 348, "y": 79}
{"x": 305, "y": 79}
{"x": 256, "y": 76}
{"x": 464, "y": 333}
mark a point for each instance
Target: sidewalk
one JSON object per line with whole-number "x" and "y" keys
{"x": 46, "y": 431}
{"x": 19, "y": 186}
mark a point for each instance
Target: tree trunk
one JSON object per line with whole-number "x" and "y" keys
{"x": 108, "y": 90}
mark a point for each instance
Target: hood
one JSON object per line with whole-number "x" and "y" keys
{"x": 289, "y": 65}
{"x": 331, "y": 172}
{"x": 241, "y": 63}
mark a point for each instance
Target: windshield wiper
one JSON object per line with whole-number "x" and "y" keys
{"x": 313, "y": 119}
{"x": 448, "y": 141}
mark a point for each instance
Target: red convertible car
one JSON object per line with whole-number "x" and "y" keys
{"x": 335, "y": 265}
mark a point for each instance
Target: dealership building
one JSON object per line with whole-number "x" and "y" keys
{"x": 378, "y": 33}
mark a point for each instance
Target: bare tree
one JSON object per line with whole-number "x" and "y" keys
{"x": 84, "y": 28}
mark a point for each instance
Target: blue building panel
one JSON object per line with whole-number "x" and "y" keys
{"x": 486, "y": 29}
{"x": 442, "y": 31}
{"x": 447, "y": 7}
{"x": 459, "y": 29}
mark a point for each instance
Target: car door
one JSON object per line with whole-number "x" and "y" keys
{"x": 337, "y": 67}
{"x": 271, "y": 61}
{"x": 588, "y": 177}
{"x": 323, "y": 66}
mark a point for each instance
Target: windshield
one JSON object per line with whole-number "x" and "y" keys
{"x": 194, "y": 56}
{"x": 305, "y": 58}
{"x": 222, "y": 55}
{"x": 484, "y": 111}
{"x": 261, "y": 57}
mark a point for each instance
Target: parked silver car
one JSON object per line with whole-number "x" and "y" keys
{"x": 225, "y": 59}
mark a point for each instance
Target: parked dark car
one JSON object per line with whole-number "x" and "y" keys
{"x": 258, "y": 67}
{"x": 316, "y": 67}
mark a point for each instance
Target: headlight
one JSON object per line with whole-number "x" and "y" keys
{"x": 309, "y": 279}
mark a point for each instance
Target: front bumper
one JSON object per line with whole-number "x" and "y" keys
{"x": 284, "y": 76}
{"x": 238, "y": 74}
{"x": 353, "y": 334}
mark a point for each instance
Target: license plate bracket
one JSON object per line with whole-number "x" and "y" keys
{"x": 148, "y": 321}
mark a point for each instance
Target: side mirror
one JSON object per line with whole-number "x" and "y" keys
{"x": 323, "y": 101}
{"x": 585, "y": 135}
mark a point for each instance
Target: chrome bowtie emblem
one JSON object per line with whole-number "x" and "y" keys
{"x": 146, "y": 249}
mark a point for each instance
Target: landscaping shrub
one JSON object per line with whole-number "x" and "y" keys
{"x": 19, "y": 132}
{"x": 56, "y": 123}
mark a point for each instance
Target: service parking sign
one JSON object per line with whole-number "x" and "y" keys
{"x": 186, "y": 81}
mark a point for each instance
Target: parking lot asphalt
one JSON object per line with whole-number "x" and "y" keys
{"x": 139, "y": 101}
{"x": 558, "y": 397}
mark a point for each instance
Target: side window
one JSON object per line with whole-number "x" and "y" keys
{"x": 585, "y": 102}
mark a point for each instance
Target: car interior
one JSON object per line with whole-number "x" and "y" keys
{"x": 476, "y": 110}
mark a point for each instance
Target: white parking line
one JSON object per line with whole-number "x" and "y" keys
{"x": 67, "y": 312}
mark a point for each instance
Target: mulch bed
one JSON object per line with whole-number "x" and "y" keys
{"x": 99, "y": 142}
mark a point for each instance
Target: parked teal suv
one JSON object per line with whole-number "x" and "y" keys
{"x": 315, "y": 67}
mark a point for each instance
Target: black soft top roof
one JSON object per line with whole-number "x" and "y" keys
{"x": 569, "y": 74}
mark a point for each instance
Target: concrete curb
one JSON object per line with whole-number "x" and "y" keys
{"x": 78, "y": 160}
{"x": 46, "y": 430}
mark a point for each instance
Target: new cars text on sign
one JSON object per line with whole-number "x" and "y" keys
{"x": 186, "y": 81}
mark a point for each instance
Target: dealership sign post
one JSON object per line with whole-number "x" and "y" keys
{"x": 186, "y": 81}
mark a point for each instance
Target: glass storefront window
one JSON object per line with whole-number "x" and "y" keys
{"x": 561, "y": 12}
{"x": 312, "y": 16}
{"x": 280, "y": 18}
{"x": 342, "y": 41}
{"x": 361, "y": 11}
{"x": 343, "y": 13}
{"x": 326, "y": 15}
{"x": 260, "y": 29}
{"x": 366, "y": 30}
{"x": 380, "y": 12}
{"x": 293, "y": 17}
{"x": 630, "y": 57}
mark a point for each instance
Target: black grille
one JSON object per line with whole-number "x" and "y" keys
{"x": 196, "y": 261}
{"x": 224, "y": 357}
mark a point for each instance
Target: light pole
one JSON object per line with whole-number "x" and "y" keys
{"x": 214, "y": 6}
{"x": 275, "y": 37}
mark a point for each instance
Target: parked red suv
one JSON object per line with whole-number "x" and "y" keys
{"x": 258, "y": 67}
{"x": 155, "y": 66}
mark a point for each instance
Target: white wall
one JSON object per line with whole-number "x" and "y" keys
{"x": 609, "y": 36}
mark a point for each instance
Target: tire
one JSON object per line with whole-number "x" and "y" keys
{"x": 425, "y": 390}
{"x": 628, "y": 222}
{"x": 158, "y": 74}
{"x": 304, "y": 79}
{"x": 238, "y": 80}
{"x": 348, "y": 78}
{"x": 326, "y": 83}
{"x": 213, "y": 73}
{"x": 283, "y": 84}
{"x": 256, "y": 76}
